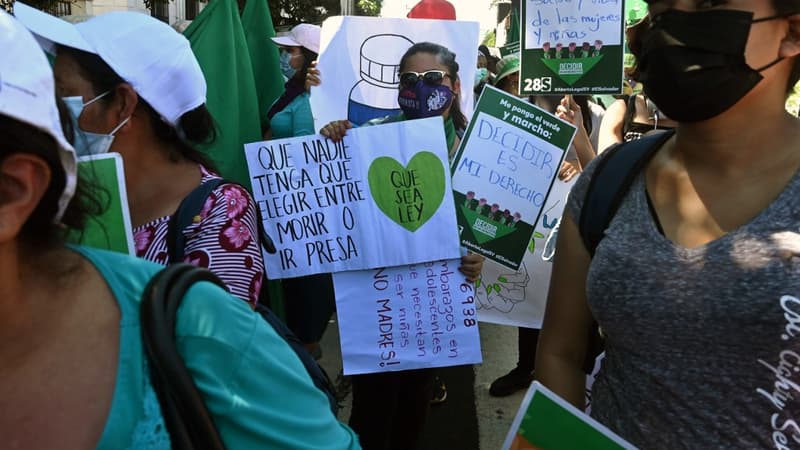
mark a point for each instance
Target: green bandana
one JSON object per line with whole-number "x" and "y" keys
{"x": 450, "y": 134}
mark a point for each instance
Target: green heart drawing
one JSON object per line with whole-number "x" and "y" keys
{"x": 408, "y": 195}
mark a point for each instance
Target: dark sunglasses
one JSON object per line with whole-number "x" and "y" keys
{"x": 432, "y": 77}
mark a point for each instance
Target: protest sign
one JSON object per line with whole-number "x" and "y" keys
{"x": 360, "y": 57}
{"x": 111, "y": 230}
{"x": 378, "y": 198}
{"x": 571, "y": 47}
{"x": 545, "y": 421}
{"x": 407, "y": 317}
{"x": 518, "y": 298}
{"x": 503, "y": 172}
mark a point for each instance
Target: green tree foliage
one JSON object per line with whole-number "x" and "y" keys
{"x": 368, "y": 7}
{"x": 287, "y": 13}
{"x": 489, "y": 39}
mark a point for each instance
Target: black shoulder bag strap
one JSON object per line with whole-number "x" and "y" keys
{"x": 187, "y": 213}
{"x": 185, "y": 414}
{"x": 610, "y": 183}
{"x": 630, "y": 113}
{"x": 189, "y": 208}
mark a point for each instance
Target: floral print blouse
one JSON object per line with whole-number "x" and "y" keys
{"x": 223, "y": 238}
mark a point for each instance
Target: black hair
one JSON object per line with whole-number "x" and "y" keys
{"x": 308, "y": 58}
{"x": 447, "y": 59}
{"x": 40, "y": 232}
{"x": 503, "y": 83}
{"x": 196, "y": 126}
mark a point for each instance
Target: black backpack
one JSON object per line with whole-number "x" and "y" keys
{"x": 183, "y": 217}
{"x": 610, "y": 182}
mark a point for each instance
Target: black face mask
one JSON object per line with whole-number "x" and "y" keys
{"x": 693, "y": 64}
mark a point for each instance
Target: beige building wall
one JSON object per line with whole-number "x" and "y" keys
{"x": 82, "y": 8}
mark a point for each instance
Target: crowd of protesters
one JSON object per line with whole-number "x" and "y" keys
{"x": 693, "y": 285}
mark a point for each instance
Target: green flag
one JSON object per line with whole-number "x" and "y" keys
{"x": 258, "y": 30}
{"x": 512, "y": 40}
{"x": 218, "y": 41}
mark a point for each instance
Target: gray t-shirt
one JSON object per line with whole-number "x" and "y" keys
{"x": 703, "y": 344}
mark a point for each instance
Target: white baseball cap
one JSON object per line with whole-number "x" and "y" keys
{"x": 155, "y": 59}
{"x": 302, "y": 35}
{"x": 27, "y": 94}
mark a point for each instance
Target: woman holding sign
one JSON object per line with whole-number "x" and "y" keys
{"x": 144, "y": 98}
{"x": 389, "y": 409}
{"x": 694, "y": 282}
{"x": 586, "y": 117}
{"x": 75, "y": 375}
{"x": 310, "y": 299}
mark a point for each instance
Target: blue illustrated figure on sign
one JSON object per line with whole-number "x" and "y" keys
{"x": 375, "y": 95}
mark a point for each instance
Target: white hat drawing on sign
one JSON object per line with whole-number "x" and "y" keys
{"x": 27, "y": 94}
{"x": 375, "y": 94}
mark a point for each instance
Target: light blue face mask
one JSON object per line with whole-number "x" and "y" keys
{"x": 286, "y": 67}
{"x": 87, "y": 143}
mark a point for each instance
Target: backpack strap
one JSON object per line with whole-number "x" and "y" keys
{"x": 630, "y": 113}
{"x": 610, "y": 183}
{"x": 189, "y": 208}
{"x": 186, "y": 416}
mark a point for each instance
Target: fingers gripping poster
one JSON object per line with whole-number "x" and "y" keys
{"x": 359, "y": 64}
{"x": 571, "y": 47}
{"x": 378, "y": 198}
{"x": 518, "y": 297}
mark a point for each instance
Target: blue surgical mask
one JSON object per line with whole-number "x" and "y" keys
{"x": 87, "y": 143}
{"x": 286, "y": 67}
{"x": 480, "y": 75}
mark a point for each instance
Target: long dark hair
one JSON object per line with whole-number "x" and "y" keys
{"x": 294, "y": 86}
{"x": 196, "y": 126}
{"x": 39, "y": 231}
{"x": 447, "y": 59}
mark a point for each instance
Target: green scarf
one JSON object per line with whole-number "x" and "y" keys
{"x": 450, "y": 134}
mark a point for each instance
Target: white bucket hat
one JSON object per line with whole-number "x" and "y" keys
{"x": 155, "y": 59}
{"x": 27, "y": 94}
{"x": 302, "y": 35}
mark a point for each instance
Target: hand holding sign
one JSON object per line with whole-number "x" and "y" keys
{"x": 324, "y": 202}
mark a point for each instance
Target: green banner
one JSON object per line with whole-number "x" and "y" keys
{"x": 545, "y": 422}
{"x": 503, "y": 173}
{"x": 571, "y": 47}
{"x": 111, "y": 230}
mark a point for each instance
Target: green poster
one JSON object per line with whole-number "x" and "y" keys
{"x": 547, "y": 422}
{"x": 571, "y": 47}
{"x": 111, "y": 230}
{"x": 503, "y": 173}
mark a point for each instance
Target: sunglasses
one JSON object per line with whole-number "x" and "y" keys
{"x": 432, "y": 77}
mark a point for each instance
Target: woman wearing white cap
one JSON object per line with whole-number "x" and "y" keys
{"x": 134, "y": 87}
{"x": 71, "y": 354}
{"x": 290, "y": 115}
{"x": 310, "y": 299}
